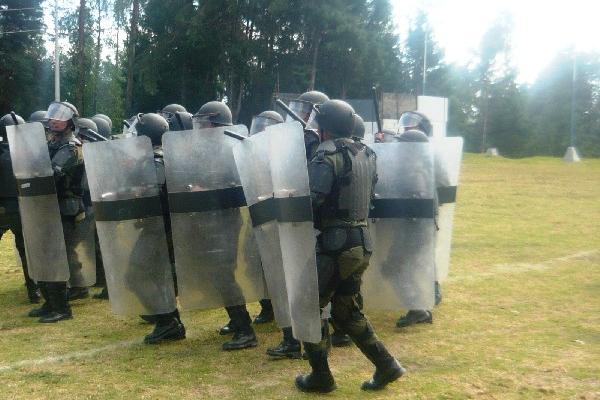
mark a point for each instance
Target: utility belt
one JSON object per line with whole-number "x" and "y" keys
{"x": 336, "y": 239}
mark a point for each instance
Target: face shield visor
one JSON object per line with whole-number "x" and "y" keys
{"x": 409, "y": 121}
{"x": 60, "y": 112}
{"x": 303, "y": 109}
{"x": 203, "y": 121}
{"x": 260, "y": 123}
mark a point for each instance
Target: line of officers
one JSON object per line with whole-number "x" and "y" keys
{"x": 333, "y": 134}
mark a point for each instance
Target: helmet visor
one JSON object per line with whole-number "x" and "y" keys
{"x": 259, "y": 124}
{"x": 59, "y": 112}
{"x": 410, "y": 120}
{"x": 303, "y": 109}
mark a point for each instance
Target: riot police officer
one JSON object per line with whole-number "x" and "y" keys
{"x": 169, "y": 325}
{"x": 67, "y": 163}
{"x": 304, "y": 106}
{"x": 342, "y": 176}
{"x": 210, "y": 115}
{"x": 9, "y": 206}
{"x": 416, "y": 127}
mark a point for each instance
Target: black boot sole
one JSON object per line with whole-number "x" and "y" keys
{"x": 421, "y": 321}
{"x": 305, "y": 389}
{"x": 167, "y": 338}
{"x": 295, "y": 355}
{"x": 246, "y": 345}
{"x": 370, "y": 386}
{"x": 55, "y": 320}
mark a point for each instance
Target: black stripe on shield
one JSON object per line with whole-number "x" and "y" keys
{"x": 402, "y": 208}
{"x": 286, "y": 209}
{"x": 123, "y": 210}
{"x": 207, "y": 200}
{"x": 36, "y": 186}
{"x": 446, "y": 194}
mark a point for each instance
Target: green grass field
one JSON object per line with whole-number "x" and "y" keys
{"x": 520, "y": 317}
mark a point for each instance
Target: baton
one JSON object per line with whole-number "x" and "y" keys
{"x": 290, "y": 112}
{"x": 14, "y": 117}
{"x": 91, "y": 134}
{"x": 234, "y": 135}
{"x": 376, "y": 104}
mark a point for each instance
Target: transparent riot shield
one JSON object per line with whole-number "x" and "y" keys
{"x": 216, "y": 255}
{"x": 447, "y": 159}
{"x": 127, "y": 208}
{"x": 401, "y": 273}
{"x": 272, "y": 168}
{"x": 370, "y": 131}
{"x": 82, "y": 262}
{"x": 38, "y": 204}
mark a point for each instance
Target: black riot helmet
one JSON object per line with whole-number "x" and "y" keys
{"x": 413, "y": 135}
{"x": 411, "y": 120}
{"x": 213, "y": 113}
{"x": 38, "y": 116}
{"x": 8, "y": 120}
{"x": 180, "y": 121}
{"x": 264, "y": 119}
{"x": 335, "y": 117}
{"x": 173, "y": 108}
{"x": 153, "y": 126}
{"x": 86, "y": 123}
{"x": 303, "y": 105}
{"x": 359, "y": 127}
{"x": 104, "y": 117}
{"x": 103, "y": 127}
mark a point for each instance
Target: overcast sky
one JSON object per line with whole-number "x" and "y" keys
{"x": 541, "y": 27}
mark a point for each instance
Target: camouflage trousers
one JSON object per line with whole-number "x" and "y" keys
{"x": 340, "y": 275}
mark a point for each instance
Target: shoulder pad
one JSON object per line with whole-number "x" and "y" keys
{"x": 327, "y": 147}
{"x": 75, "y": 141}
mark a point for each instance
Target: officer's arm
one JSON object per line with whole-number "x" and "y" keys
{"x": 64, "y": 160}
{"x": 321, "y": 176}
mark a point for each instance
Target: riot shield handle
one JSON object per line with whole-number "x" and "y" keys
{"x": 376, "y": 104}
{"x": 290, "y": 112}
{"x": 234, "y": 135}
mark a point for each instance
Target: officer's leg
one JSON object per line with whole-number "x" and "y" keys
{"x": 320, "y": 379}
{"x": 142, "y": 282}
{"x": 266, "y": 314}
{"x": 100, "y": 273}
{"x": 77, "y": 288}
{"x": 32, "y": 289}
{"x": 346, "y": 312}
{"x": 58, "y": 298}
{"x": 241, "y": 322}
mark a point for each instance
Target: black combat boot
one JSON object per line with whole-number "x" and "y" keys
{"x": 78, "y": 293}
{"x": 103, "y": 295}
{"x": 61, "y": 310}
{"x": 387, "y": 368}
{"x": 320, "y": 379}
{"x": 266, "y": 312}
{"x": 242, "y": 339}
{"x": 227, "y": 329}
{"x": 241, "y": 323}
{"x": 33, "y": 293}
{"x": 288, "y": 348}
{"x": 414, "y": 317}
{"x": 168, "y": 327}
{"x": 45, "y": 308}
{"x": 438, "y": 293}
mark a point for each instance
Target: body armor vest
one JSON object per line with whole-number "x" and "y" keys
{"x": 350, "y": 198}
